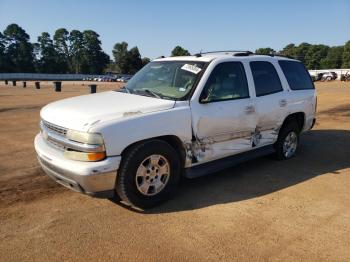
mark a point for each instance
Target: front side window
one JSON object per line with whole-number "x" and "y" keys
{"x": 226, "y": 82}
{"x": 166, "y": 79}
{"x": 265, "y": 77}
{"x": 297, "y": 76}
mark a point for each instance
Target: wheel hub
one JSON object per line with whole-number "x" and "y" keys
{"x": 290, "y": 144}
{"x": 152, "y": 175}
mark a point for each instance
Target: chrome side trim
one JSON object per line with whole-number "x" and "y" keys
{"x": 69, "y": 144}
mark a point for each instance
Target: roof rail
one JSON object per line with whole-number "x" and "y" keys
{"x": 280, "y": 55}
{"x": 224, "y": 51}
{"x": 245, "y": 53}
{"x": 286, "y": 56}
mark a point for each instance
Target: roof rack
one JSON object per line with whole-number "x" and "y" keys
{"x": 245, "y": 53}
{"x": 286, "y": 56}
{"x": 280, "y": 55}
{"x": 239, "y": 52}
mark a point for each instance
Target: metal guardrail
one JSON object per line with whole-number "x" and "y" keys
{"x": 50, "y": 77}
{"x": 36, "y": 76}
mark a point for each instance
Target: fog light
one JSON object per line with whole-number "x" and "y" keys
{"x": 82, "y": 156}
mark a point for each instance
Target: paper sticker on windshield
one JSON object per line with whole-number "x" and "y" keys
{"x": 191, "y": 68}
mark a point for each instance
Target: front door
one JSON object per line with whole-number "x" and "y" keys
{"x": 224, "y": 119}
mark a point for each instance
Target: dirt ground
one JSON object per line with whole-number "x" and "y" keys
{"x": 263, "y": 210}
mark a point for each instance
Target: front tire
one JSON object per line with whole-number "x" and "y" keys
{"x": 149, "y": 174}
{"x": 288, "y": 141}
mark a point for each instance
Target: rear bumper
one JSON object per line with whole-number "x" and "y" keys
{"x": 313, "y": 123}
{"x": 309, "y": 123}
{"x": 93, "y": 178}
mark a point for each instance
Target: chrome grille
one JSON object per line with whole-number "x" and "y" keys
{"x": 55, "y": 144}
{"x": 54, "y": 128}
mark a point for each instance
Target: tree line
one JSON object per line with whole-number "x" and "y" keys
{"x": 315, "y": 56}
{"x": 65, "y": 52}
{"x": 81, "y": 52}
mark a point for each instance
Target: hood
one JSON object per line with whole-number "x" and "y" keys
{"x": 81, "y": 112}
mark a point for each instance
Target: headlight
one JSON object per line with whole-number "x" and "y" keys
{"x": 89, "y": 139}
{"x": 86, "y": 138}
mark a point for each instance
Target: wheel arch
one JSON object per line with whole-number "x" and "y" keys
{"x": 298, "y": 117}
{"x": 174, "y": 141}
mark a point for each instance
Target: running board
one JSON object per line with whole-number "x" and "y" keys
{"x": 217, "y": 165}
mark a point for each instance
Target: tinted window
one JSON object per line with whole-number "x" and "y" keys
{"x": 265, "y": 78}
{"x": 297, "y": 76}
{"x": 227, "y": 81}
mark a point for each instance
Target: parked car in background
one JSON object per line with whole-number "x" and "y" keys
{"x": 119, "y": 79}
{"x": 346, "y": 76}
{"x": 126, "y": 79}
{"x": 317, "y": 77}
{"x": 329, "y": 76}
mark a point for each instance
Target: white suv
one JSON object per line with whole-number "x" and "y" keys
{"x": 177, "y": 116}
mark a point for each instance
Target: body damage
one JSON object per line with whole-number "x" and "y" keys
{"x": 222, "y": 145}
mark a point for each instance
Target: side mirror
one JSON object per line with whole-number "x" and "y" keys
{"x": 203, "y": 99}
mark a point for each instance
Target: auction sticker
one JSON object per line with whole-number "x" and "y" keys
{"x": 191, "y": 68}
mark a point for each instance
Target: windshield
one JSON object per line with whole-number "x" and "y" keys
{"x": 166, "y": 79}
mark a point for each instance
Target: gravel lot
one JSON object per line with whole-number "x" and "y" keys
{"x": 295, "y": 210}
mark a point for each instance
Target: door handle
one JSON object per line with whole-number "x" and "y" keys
{"x": 283, "y": 102}
{"x": 249, "y": 109}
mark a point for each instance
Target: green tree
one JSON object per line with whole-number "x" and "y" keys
{"x": 301, "y": 51}
{"x": 334, "y": 58}
{"x": 48, "y": 56}
{"x": 128, "y": 61}
{"x": 134, "y": 60}
{"x": 4, "y": 63}
{"x": 61, "y": 44}
{"x": 346, "y": 55}
{"x": 315, "y": 55}
{"x": 289, "y": 50}
{"x": 94, "y": 59}
{"x": 145, "y": 61}
{"x": 179, "y": 51}
{"x": 76, "y": 51}
{"x": 19, "y": 50}
{"x": 120, "y": 54}
{"x": 265, "y": 51}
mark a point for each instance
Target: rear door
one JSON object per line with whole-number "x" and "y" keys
{"x": 271, "y": 103}
{"x": 302, "y": 95}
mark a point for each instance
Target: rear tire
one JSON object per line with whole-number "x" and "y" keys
{"x": 288, "y": 141}
{"x": 149, "y": 174}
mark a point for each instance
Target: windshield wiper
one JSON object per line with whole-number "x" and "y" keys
{"x": 148, "y": 92}
{"x": 124, "y": 88}
{"x": 153, "y": 93}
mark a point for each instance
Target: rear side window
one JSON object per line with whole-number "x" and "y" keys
{"x": 265, "y": 77}
{"x": 297, "y": 76}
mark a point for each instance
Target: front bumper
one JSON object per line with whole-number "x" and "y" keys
{"x": 93, "y": 178}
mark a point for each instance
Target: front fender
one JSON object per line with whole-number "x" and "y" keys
{"x": 121, "y": 133}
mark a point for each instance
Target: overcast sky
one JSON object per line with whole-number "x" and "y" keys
{"x": 158, "y": 26}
